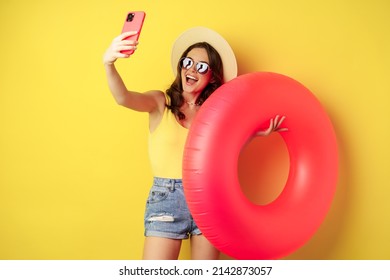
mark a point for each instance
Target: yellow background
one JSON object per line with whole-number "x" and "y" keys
{"x": 74, "y": 170}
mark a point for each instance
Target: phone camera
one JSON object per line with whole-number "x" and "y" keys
{"x": 130, "y": 17}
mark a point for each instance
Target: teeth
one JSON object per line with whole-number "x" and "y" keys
{"x": 191, "y": 77}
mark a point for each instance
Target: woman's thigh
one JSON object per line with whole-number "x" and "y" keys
{"x": 160, "y": 248}
{"x": 202, "y": 249}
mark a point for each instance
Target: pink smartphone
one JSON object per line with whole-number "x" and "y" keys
{"x": 134, "y": 22}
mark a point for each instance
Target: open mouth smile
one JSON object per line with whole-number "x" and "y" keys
{"x": 191, "y": 79}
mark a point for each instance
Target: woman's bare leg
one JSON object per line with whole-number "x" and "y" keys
{"x": 159, "y": 248}
{"x": 202, "y": 249}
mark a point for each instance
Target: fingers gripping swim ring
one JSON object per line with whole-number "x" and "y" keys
{"x": 224, "y": 124}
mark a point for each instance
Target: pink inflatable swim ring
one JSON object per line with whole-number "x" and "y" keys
{"x": 224, "y": 124}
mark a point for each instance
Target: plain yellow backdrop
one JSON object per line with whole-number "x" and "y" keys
{"x": 74, "y": 169}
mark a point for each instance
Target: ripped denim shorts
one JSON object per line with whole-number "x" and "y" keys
{"x": 166, "y": 213}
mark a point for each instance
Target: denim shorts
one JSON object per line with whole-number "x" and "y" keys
{"x": 167, "y": 214}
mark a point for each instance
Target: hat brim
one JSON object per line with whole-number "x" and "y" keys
{"x": 203, "y": 34}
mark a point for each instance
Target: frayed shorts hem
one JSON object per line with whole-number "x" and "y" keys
{"x": 170, "y": 235}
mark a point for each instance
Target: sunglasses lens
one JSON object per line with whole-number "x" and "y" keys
{"x": 202, "y": 67}
{"x": 187, "y": 63}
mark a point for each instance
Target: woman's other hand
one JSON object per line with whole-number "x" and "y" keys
{"x": 274, "y": 125}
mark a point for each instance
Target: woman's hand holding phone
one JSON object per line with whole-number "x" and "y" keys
{"x": 125, "y": 44}
{"x": 121, "y": 47}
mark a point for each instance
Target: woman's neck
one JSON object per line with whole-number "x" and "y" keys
{"x": 191, "y": 98}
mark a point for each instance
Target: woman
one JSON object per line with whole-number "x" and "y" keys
{"x": 199, "y": 72}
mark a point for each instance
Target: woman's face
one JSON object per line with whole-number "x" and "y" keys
{"x": 192, "y": 81}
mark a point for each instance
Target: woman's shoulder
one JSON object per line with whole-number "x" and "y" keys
{"x": 159, "y": 95}
{"x": 162, "y": 98}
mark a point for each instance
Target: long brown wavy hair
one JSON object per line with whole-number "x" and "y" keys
{"x": 176, "y": 89}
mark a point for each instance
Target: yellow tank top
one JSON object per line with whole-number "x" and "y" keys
{"x": 166, "y": 147}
